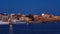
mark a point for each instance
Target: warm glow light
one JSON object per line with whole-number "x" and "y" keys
{"x": 42, "y": 14}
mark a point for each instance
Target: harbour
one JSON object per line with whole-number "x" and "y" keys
{"x": 32, "y": 28}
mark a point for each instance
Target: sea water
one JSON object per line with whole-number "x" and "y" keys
{"x": 37, "y": 28}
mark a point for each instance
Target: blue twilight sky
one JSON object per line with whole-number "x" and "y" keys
{"x": 30, "y": 6}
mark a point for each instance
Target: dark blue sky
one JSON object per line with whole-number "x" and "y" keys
{"x": 30, "y": 6}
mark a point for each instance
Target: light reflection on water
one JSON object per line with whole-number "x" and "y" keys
{"x": 42, "y": 28}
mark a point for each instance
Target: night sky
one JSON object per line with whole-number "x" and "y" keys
{"x": 30, "y": 6}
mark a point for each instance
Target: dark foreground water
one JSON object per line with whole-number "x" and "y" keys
{"x": 42, "y": 28}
